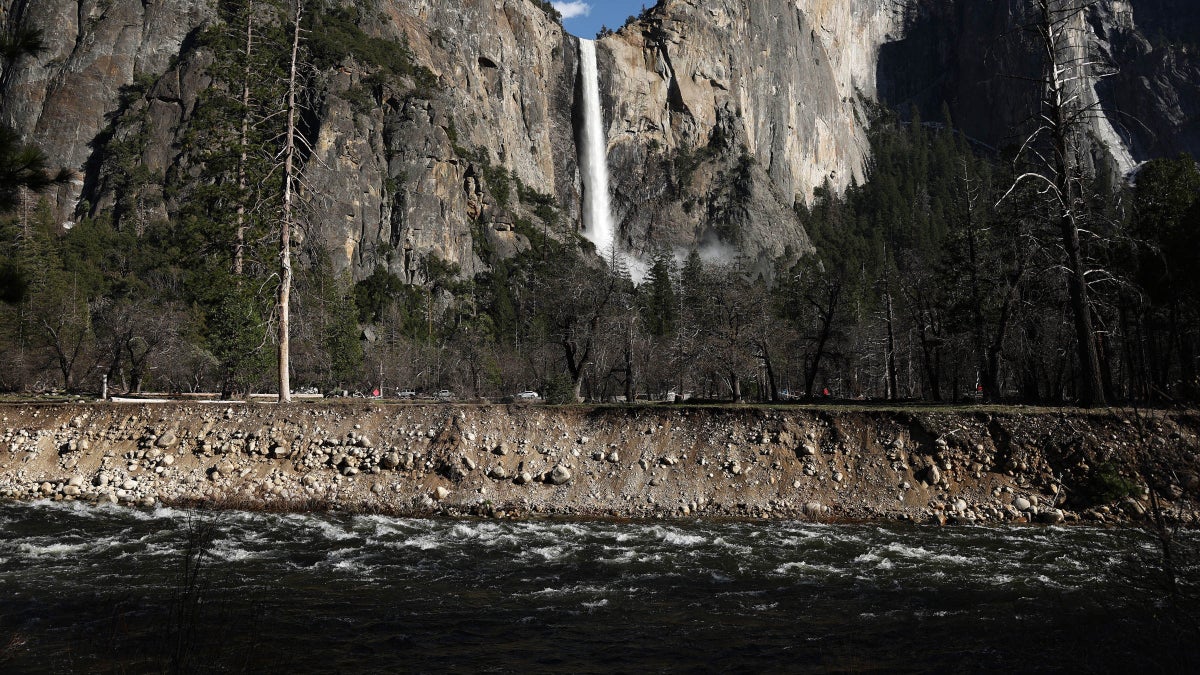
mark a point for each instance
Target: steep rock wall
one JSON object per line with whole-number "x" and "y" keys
{"x": 399, "y": 178}
{"x": 975, "y": 56}
{"x": 59, "y": 99}
{"x": 763, "y": 101}
{"x": 721, "y": 115}
{"x": 506, "y": 73}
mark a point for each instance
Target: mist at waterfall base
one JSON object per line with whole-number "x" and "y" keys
{"x": 97, "y": 589}
{"x": 598, "y": 224}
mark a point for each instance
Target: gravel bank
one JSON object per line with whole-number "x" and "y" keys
{"x": 926, "y": 466}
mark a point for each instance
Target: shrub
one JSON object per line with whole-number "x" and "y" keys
{"x": 1106, "y": 485}
{"x": 560, "y": 390}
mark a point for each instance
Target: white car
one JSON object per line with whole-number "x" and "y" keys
{"x": 528, "y": 396}
{"x": 407, "y": 394}
{"x": 445, "y": 395}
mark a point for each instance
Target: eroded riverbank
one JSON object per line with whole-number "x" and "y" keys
{"x": 924, "y": 465}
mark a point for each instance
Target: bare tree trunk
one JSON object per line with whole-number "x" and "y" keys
{"x": 285, "y": 228}
{"x": 982, "y": 355}
{"x": 244, "y": 140}
{"x": 1063, "y": 119}
{"x": 629, "y": 394}
{"x": 577, "y": 361}
{"x": 892, "y": 384}
{"x": 827, "y": 315}
{"x": 768, "y": 364}
{"x": 1091, "y": 382}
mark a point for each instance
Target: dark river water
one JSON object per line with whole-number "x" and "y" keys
{"x": 87, "y": 589}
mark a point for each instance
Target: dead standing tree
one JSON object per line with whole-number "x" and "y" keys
{"x": 1056, "y": 150}
{"x": 285, "y": 227}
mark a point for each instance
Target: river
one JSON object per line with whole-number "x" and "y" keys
{"x": 101, "y": 589}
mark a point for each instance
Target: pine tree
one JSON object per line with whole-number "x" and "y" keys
{"x": 659, "y": 305}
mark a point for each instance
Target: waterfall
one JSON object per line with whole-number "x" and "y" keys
{"x": 593, "y": 165}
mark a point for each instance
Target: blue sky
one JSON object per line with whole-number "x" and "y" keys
{"x": 584, "y": 17}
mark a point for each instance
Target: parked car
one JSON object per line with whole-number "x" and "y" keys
{"x": 527, "y": 396}
{"x": 407, "y": 394}
{"x": 444, "y": 395}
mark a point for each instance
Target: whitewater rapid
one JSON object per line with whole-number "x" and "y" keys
{"x": 100, "y": 590}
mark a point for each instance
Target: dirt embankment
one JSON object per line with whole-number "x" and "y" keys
{"x": 513, "y": 461}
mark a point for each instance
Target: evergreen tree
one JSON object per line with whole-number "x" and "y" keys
{"x": 659, "y": 305}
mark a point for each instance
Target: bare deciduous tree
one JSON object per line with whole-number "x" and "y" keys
{"x": 1057, "y": 149}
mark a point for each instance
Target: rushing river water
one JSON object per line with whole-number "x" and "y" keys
{"x": 99, "y": 589}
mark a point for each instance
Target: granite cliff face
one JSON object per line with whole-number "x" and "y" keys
{"x": 397, "y": 176}
{"x": 973, "y": 56}
{"x": 59, "y": 100}
{"x": 725, "y": 114}
{"x": 505, "y": 75}
{"x": 721, "y": 114}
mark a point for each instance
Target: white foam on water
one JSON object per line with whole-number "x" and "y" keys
{"x": 160, "y": 512}
{"x": 550, "y": 552}
{"x": 574, "y": 529}
{"x": 382, "y": 525}
{"x": 863, "y": 558}
{"x": 788, "y": 568}
{"x": 328, "y": 530}
{"x": 800, "y": 538}
{"x": 925, "y": 555}
{"x": 623, "y": 556}
{"x": 425, "y": 542}
{"x": 578, "y": 589}
{"x": 880, "y": 562}
{"x": 738, "y": 548}
{"x": 164, "y": 549}
{"x": 603, "y": 602}
{"x": 1052, "y": 583}
{"x": 466, "y": 531}
{"x": 491, "y": 535}
{"x": 59, "y": 550}
{"x": 228, "y": 550}
{"x": 360, "y": 569}
{"x": 671, "y": 536}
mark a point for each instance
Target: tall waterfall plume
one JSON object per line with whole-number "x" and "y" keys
{"x": 597, "y": 211}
